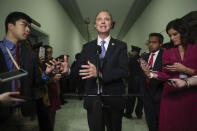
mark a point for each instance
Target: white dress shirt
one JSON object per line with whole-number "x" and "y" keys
{"x": 154, "y": 57}
{"x": 106, "y": 41}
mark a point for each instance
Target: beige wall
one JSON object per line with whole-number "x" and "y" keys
{"x": 63, "y": 35}
{"x": 155, "y": 18}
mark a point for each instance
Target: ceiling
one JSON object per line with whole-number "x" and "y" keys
{"x": 124, "y": 12}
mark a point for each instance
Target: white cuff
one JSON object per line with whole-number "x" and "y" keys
{"x": 151, "y": 75}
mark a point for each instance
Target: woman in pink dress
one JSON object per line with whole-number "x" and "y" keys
{"x": 178, "y": 109}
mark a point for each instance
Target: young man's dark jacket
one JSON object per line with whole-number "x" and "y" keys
{"x": 29, "y": 62}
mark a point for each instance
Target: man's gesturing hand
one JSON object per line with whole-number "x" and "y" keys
{"x": 88, "y": 71}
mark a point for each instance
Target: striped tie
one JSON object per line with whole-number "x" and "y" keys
{"x": 102, "y": 55}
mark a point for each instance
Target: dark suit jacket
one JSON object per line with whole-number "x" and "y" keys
{"x": 29, "y": 62}
{"x": 4, "y": 111}
{"x": 156, "y": 87}
{"x": 114, "y": 69}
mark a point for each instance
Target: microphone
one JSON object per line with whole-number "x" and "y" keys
{"x": 98, "y": 51}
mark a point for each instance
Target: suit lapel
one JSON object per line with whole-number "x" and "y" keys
{"x": 22, "y": 52}
{"x": 158, "y": 60}
{"x": 3, "y": 64}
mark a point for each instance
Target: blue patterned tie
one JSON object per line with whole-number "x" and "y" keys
{"x": 102, "y": 55}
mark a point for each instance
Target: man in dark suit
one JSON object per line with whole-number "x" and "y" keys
{"x": 153, "y": 88}
{"x": 134, "y": 80}
{"x": 104, "y": 110}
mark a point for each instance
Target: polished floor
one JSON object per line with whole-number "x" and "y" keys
{"x": 72, "y": 117}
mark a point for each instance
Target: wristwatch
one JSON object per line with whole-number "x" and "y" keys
{"x": 187, "y": 83}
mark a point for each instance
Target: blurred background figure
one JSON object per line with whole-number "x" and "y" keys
{"x": 76, "y": 83}
{"x": 65, "y": 87}
{"x": 42, "y": 94}
{"x": 134, "y": 85}
{"x": 53, "y": 88}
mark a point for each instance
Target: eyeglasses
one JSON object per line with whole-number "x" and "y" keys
{"x": 26, "y": 24}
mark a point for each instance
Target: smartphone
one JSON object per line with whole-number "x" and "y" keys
{"x": 8, "y": 76}
{"x": 42, "y": 52}
{"x": 167, "y": 64}
{"x": 60, "y": 58}
{"x": 164, "y": 79}
{"x": 22, "y": 97}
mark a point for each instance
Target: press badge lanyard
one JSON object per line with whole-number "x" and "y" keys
{"x": 9, "y": 53}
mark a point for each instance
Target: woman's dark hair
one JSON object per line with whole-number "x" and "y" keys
{"x": 183, "y": 28}
{"x": 46, "y": 53}
{"x": 47, "y": 47}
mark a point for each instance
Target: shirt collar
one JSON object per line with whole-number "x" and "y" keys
{"x": 156, "y": 53}
{"x": 106, "y": 40}
{"x": 9, "y": 44}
